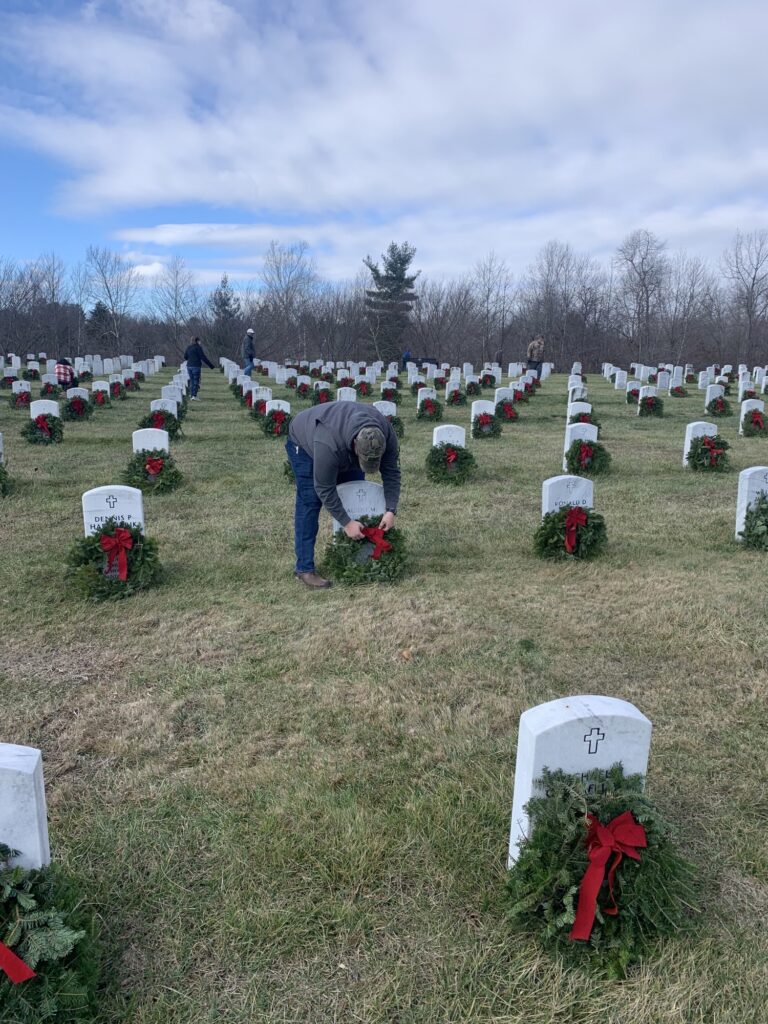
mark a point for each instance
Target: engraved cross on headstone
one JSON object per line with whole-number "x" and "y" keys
{"x": 361, "y": 492}
{"x": 593, "y": 737}
{"x": 111, "y": 501}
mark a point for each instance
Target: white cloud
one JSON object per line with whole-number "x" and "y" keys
{"x": 460, "y": 127}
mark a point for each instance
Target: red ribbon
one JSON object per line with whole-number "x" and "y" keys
{"x": 714, "y": 451}
{"x": 116, "y": 547}
{"x": 509, "y": 410}
{"x": 428, "y": 406}
{"x": 324, "y": 395}
{"x": 376, "y": 535}
{"x": 42, "y": 423}
{"x": 575, "y": 518}
{"x": 585, "y": 455}
{"x": 484, "y": 419}
{"x": 158, "y": 420}
{"x": 278, "y": 419}
{"x": 14, "y": 966}
{"x": 619, "y": 837}
{"x": 22, "y": 398}
{"x": 98, "y": 397}
{"x": 154, "y": 466}
{"x": 451, "y": 455}
{"x": 78, "y": 406}
{"x": 757, "y": 420}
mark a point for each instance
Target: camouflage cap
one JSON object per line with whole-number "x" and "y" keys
{"x": 369, "y": 445}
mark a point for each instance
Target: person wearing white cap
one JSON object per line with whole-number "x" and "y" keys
{"x": 248, "y": 351}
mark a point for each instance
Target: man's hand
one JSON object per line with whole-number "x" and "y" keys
{"x": 387, "y": 521}
{"x": 354, "y": 529}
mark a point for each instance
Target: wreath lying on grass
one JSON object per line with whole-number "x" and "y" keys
{"x": 131, "y": 384}
{"x": 101, "y": 399}
{"x": 397, "y": 425}
{"x": 44, "y": 429}
{"x": 50, "y": 943}
{"x": 506, "y": 411}
{"x": 113, "y": 563}
{"x": 77, "y": 409}
{"x": 652, "y": 405}
{"x": 5, "y": 481}
{"x": 753, "y": 424}
{"x": 486, "y": 425}
{"x": 587, "y": 458}
{"x": 21, "y": 400}
{"x": 611, "y": 910}
{"x": 678, "y": 392}
{"x": 391, "y": 395}
{"x": 690, "y": 378}
{"x": 381, "y": 558}
{"x": 161, "y": 419}
{"x": 49, "y": 390}
{"x": 570, "y": 532}
{"x": 450, "y": 464}
{"x": 456, "y": 397}
{"x": 755, "y": 532}
{"x": 586, "y": 417}
{"x": 430, "y": 409}
{"x": 632, "y": 396}
{"x": 320, "y": 396}
{"x": 30, "y": 374}
{"x": 117, "y": 390}
{"x": 708, "y": 454}
{"x": 719, "y": 407}
{"x": 276, "y": 423}
{"x": 154, "y": 470}
{"x": 473, "y": 389}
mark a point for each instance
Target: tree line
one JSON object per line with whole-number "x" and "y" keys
{"x": 645, "y": 304}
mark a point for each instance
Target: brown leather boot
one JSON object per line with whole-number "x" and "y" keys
{"x": 312, "y": 580}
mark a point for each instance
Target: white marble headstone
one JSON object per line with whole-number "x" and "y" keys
{"x": 578, "y": 432}
{"x": 449, "y": 434}
{"x": 752, "y": 482}
{"x": 386, "y": 408}
{"x": 164, "y": 405}
{"x": 124, "y": 504}
{"x": 150, "y": 439}
{"x": 748, "y": 406}
{"x": 275, "y": 404}
{"x": 560, "y": 491}
{"x": 78, "y": 393}
{"x": 346, "y": 395}
{"x": 23, "y": 815}
{"x": 43, "y": 407}
{"x": 361, "y": 498}
{"x": 698, "y": 429}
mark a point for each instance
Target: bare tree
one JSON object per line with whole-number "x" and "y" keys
{"x": 745, "y": 265}
{"x": 79, "y": 290}
{"x": 493, "y": 291}
{"x": 175, "y": 300}
{"x": 114, "y": 281}
{"x": 643, "y": 268}
{"x": 289, "y": 278}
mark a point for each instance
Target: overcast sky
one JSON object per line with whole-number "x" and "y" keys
{"x": 208, "y": 128}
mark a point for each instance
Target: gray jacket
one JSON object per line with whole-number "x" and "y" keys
{"x": 326, "y": 433}
{"x": 248, "y": 349}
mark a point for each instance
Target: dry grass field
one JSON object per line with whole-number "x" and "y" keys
{"x": 289, "y": 806}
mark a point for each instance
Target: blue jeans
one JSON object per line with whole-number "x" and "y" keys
{"x": 248, "y": 368}
{"x": 194, "y": 378}
{"x": 308, "y": 505}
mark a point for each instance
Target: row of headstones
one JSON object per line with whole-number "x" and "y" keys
{"x": 668, "y": 379}
{"x": 96, "y": 365}
{"x": 578, "y": 735}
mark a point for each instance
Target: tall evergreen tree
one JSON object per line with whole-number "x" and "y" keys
{"x": 389, "y": 303}
{"x": 98, "y": 323}
{"x": 225, "y": 310}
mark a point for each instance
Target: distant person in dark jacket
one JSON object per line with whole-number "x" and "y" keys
{"x": 195, "y": 357}
{"x": 330, "y": 445}
{"x": 248, "y": 352}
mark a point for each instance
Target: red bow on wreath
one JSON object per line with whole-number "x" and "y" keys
{"x": 451, "y": 455}
{"x": 714, "y": 451}
{"x": 154, "y": 466}
{"x": 376, "y": 535}
{"x": 78, "y": 406}
{"x": 508, "y": 410}
{"x": 484, "y": 419}
{"x": 757, "y": 420}
{"x": 12, "y": 965}
{"x": 585, "y": 455}
{"x": 278, "y": 419}
{"x": 42, "y": 423}
{"x": 428, "y": 406}
{"x": 158, "y": 421}
{"x": 116, "y": 547}
{"x": 575, "y": 518}
{"x": 98, "y": 397}
{"x": 619, "y": 837}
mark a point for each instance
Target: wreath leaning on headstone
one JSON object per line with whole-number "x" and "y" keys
{"x": 755, "y": 532}
{"x": 276, "y": 423}
{"x": 113, "y": 563}
{"x": 44, "y": 429}
{"x": 506, "y": 411}
{"x": 652, "y": 405}
{"x": 49, "y": 390}
{"x": 678, "y": 392}
{"x": 570, "y": 532}
{"x": 101, "y": 399}
{"x": 161, "y": 419}
{"x": 753, "y": 424}
{"x": 21, "y": 400}
{"x": 586, "y": 417}
{"x": 456, "y": 397}
{"x": 632, "y": 396}
{"x": 708, "y": 454}
{"x": 397, "y": 425}
{"x": 473, "y": 389}
{"x": 320, "y": 396}
{"x": 719, "y": 407}
{"x": 486, "y": 425}
{"x": 450, "y": 464}
{"x": 380, "y": 558}
{"x": 587, "y": 458}
{"x": 77, "y": 409}
{"x": 430, "y": 409}
{"x": 599, "y": 880}
{"x": 154, "y": 470}
{"x": 117, "y": 390}
{"x": 50, "y": 956}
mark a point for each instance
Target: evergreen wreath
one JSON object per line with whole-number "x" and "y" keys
{"x": 753, "y": 424}
{"x": 87, "y": 564}
{"x": 632, "y": 396}
{"x": 653, "y": 378}
{"x": 456, "y": 397}
{"x": 678, "y": 392}
{"x": 345, "y": 382}
{"x": 651, "y": 406}
{"x": 655, "y": 895}
{"x": 391, "y": 395}
{"x": 350, "y": 561}
{"x": 101, "y": 399}
{"x": 586, "y": 417}
{"x": 6, "y": 383}
{"x": 473, "y": 389}
{"x": 708, "y": 454}
{"x": 5, "y": 481}
{"x": 21, "y": 400}
{"x": 488, "y": 380}
{"x": 755, "y": 532}
{"x": 363, "y": 388}
{"x": 258, "y": 408}
{"x": 304, "y": 391}
{"x": 506, "y": 411}
{"x": 30, "y": 374}
{"x": 690, "y": 378}
{"x": 235, "y": 389}
{"x": 430, "y": 409}
{"x": 153, "y": 470}
{"x": 450, "y": 464}
{"x": 522, "y": 394}
{"x": 570, "y": 532}
{"x": 161, "y": 419}
{"x": 486, "y": 425}
{"x": 439, "y": 381}
{"x": 276, "y": 423}
{"x": 49, "y": 390}
{"x": 529, "y": 388}
{"x": 44, "y": 922}
{"x": 85, "y": 377}
{"x": 417, "y": 386}
{"x": 131, "y": 384}
{"x": 140, "y": 377}
{"x": 727, "y": 387}
{"x": 44, "y": 429}
{"x": 747, "y": 394}
{"x": 719, "y": 407}
{"x": 117, "y": 390}
{"x": 77, "y": 409}
{"x": 321, "y": 396}
{"x": 587, "y": 458}
{"x": 397, "y": 425}
{"x": 290, "y": 382}
{"x": 394, "y": 380}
